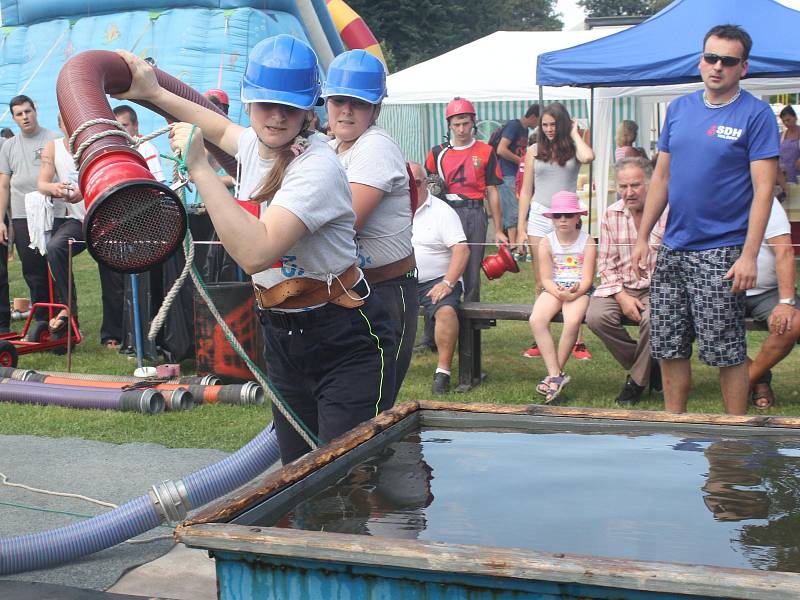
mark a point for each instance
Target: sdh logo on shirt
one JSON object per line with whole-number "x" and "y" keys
{"x": 725, "y": 132}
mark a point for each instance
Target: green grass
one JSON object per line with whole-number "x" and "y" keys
{"x": 510, "y": 379}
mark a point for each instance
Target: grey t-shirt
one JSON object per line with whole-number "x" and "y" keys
{"x": 550, "y": 178}
{"x": 316, "y": 191}
{"x": 20, "y": 158}
{"x": 377, "y": 161}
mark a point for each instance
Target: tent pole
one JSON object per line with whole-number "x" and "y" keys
{"x": 591, "y": 143}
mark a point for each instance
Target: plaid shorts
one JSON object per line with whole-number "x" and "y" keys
{"x": 689, "y": 299}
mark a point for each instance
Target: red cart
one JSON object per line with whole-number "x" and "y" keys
{"x": 36, "y": 336}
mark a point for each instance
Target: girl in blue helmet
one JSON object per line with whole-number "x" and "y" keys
{"x": 376, "y": 170}
{"x": 328, "y": 348}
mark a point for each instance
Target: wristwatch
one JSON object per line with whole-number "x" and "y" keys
{"x": 789, "y": 301}
{"x": 452, "y": 285}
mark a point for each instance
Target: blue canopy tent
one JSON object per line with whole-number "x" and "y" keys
{"x": 665, "y": 48}
{"x": 658, "y": 59}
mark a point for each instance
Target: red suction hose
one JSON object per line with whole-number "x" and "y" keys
{"x": 133, "y": 222}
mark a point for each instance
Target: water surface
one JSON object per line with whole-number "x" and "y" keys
{"x": 724, "y": 501}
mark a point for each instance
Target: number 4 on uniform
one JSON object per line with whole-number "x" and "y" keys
{"x": 458, "y": 176}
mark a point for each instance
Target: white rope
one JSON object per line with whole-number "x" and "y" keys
{"x": 4, "y": 481}
{"x": 118, "y": 130}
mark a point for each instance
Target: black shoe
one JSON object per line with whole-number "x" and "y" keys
{"x": 656, "y": 386}
{"x": 631, "y": 393}
{"x": 441, "y": 384}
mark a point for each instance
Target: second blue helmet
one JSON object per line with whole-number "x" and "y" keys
{"x": 356, "y": 74}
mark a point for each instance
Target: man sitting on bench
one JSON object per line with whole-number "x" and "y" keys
{"x": 774, "y": 300}
{"x": 620, "y": 293}
{"x": 442, "y": 254}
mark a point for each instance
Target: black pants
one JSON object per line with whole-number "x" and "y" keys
{"x": 333, "y": 366}
{"x": 34, "y": 267}
{"x": 112, "y": 289}
{"x": 5, "y": 307}
{"x": 399, "y": 297}
{"x": 58, "y": 258}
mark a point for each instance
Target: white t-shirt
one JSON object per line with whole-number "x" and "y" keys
{"x": 778, "y": 224}
{"x": 437, "y": 229}
{"x": 66, "y": 171}
{"x": 377, "y": 161}
{"x": 153, "y": 158}
{"x": 316, "y": 191}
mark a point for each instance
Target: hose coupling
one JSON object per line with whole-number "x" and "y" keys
{"x": 171, "y": 500}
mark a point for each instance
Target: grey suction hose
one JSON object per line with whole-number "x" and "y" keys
{"x": 148, "y": 401}
{"x": 167, "y": 501}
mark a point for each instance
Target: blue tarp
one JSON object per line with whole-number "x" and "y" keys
{"x": 666, "y": 48}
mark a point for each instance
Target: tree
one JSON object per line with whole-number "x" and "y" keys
{"x": 411, "y": 31}
{"x": 617, "y": 8}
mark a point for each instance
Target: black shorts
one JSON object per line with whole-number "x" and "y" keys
{"x": 690, "y": 299}
{"x": 452, "y": 299}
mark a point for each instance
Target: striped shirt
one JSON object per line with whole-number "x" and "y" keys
{"x": 617, "y": 237}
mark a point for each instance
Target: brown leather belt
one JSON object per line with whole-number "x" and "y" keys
{"x": 301, "y": 292}
{"x": 390, "y": 271}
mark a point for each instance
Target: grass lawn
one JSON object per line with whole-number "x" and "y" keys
{"x": 510, "y": 379}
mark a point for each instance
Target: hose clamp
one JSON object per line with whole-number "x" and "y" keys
{"x": 171, "y": 500}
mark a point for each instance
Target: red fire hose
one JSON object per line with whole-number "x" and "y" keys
{"x": 133, "y": 222}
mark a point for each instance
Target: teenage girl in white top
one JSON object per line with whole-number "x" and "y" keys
{"x": 330, "y": 359}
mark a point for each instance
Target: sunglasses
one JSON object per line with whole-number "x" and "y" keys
{"x": 563, "y": 215}
{"x": 727, "y": 61}
{"x": 354, "y": 102}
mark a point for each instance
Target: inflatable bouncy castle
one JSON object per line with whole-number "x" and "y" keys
{"x": 204, "y": 43}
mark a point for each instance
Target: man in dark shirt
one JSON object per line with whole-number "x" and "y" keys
{"x": 511, "y": 152}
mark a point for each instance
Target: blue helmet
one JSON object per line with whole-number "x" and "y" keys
{"x": 283, "y": 70}
{"x": 356, "y": 74}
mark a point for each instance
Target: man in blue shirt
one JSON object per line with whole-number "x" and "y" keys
{"x": 511, "y": 152}
{"x": 716, "y": 168}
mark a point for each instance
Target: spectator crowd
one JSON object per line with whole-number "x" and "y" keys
{"x": 696, "y": 242}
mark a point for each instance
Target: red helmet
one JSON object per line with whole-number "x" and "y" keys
{"x": 459, "y": 106}
{"x": 219, "y": 95}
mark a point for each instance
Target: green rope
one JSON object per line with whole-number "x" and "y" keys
{"x": 57, "y": 512}
{"x": 180, "y": 162}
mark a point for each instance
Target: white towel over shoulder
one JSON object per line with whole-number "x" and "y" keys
{"x": 40, "y": 220}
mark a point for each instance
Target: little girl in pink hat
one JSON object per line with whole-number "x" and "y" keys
{"x": 566, "y": 260}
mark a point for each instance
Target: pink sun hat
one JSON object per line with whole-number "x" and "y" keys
{"x": 565, "y": 202}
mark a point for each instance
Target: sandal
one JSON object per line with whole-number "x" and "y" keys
{"x": 556, "y": 384}
{"x": 543, "y": 386}
{"x": 58, "y": 323}
{"x": 762, "y": 396}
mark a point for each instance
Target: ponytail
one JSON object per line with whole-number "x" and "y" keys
{"x": 274, "y": 179}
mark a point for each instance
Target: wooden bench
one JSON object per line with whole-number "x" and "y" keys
{"x": 474, "y": 317}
